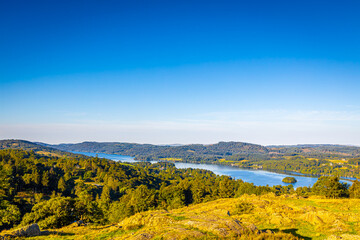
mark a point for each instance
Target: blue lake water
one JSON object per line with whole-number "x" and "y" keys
{"x": 258, "y": 177}
{"x": 114, "y": 157}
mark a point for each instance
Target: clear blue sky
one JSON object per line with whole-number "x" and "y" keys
{"x": 267, "y": 72}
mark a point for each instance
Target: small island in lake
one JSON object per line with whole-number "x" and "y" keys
{"x": 289, "y": 180}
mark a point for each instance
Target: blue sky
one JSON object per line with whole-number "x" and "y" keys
{"x": 267, "y": 72}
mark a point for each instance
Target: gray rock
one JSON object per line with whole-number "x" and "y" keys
{"x": 143, "y": 236}
{"x": 80, "y": 223}
{"x": 252, "y": 228}
{"x": 28, "y": 231}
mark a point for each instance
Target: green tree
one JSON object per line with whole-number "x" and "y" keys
{"x": 4, "y": 182}
{"x": 199, "y": 191}
{"x": 62, "y": 185}
{"x": 88, "y": 175}
{"x": 38, "y": 197}
{"x": 354, "y": 190}
{"x": 36, "y": 177}
{"x": 45, "y": 179}
{"x": 303, "y": 191}
{"x": 172, "y": 197}
{"x": 54, "y": 213}
{"x": 330, "y": 187}
{"x": 226, "y": 187}
{"x": 87, "y": 209}
{"x": 9, "y": 214}
{"x": 142, "y": 199}
{"x": 105, "y": 199}
{"x": 120, "y": 210}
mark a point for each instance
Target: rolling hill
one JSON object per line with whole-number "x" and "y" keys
{"x": 46, "y": 150}
{"x": 270, "y": 217}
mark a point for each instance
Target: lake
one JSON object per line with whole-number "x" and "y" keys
{"x": 258, "y": 177}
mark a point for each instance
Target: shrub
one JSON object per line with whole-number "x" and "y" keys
{"x": 55, "y": 213}
{"x": 243, "y": 208}
{"x": 303, "y": 191}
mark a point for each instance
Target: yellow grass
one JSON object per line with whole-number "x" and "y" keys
{"x": 171, "y": 159}
{"x": 337, "y": 161}
{"x": 48, "y": 154}
{"x": 288, "y": 217}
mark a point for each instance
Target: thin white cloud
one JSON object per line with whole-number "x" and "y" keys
{"x": 283, "y": 115}
{"x": 262, "y": 127}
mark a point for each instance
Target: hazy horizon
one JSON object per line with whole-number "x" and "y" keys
{"x": 181, "y": 144}
{"x": 269, "y": 73}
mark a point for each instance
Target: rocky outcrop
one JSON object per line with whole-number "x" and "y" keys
{"x": 28, "y": 231}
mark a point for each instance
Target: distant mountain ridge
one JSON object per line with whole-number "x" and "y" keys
{"x": 201, "y": 150}
{"x": 315, "y": 160}
{"x": 311, "y": 149}
{"x": 165, "y": 151}
{"x": 188, "y": 152}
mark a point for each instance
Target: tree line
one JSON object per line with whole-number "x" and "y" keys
{"x": 56, "y": 191}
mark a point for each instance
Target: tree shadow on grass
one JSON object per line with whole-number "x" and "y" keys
{"x": 292, "y": 231}
{"x": 46, "y": 233}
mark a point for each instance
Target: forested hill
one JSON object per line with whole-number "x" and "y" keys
{"x": 143, "y": 151}
{"x": 338, "y": 160}
{"x": 213, "y": 151}
{"x": 317, "y": 150}
{"x": 152, "y": 200}
{"x": 193, "y": 152}
{"x": 31, "y": 146}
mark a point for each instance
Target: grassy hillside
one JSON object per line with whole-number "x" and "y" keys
{"x": 31, "y": 146}
{"x": 265, "y": 217}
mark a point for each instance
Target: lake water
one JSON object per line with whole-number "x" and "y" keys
{"x": 114, "y": 157}
{"x": 258, "y": 177}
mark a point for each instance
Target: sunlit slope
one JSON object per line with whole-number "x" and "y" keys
{"x": 38, "y": 148}
{"x": 284, "y": 217}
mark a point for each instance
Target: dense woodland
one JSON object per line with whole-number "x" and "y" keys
{"x": 193, "y": 152}
{"x": 57, "y": 190}
{"x": 318, "y": 160}
{"x": 221, "y": 149}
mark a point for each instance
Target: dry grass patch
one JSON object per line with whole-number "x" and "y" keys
{"x": 271, "y": 217}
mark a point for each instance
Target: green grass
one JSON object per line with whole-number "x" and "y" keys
{"x": 288, "y": 217}
{"x": 110, "y": 235}
{"x": 178, "y": 218}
